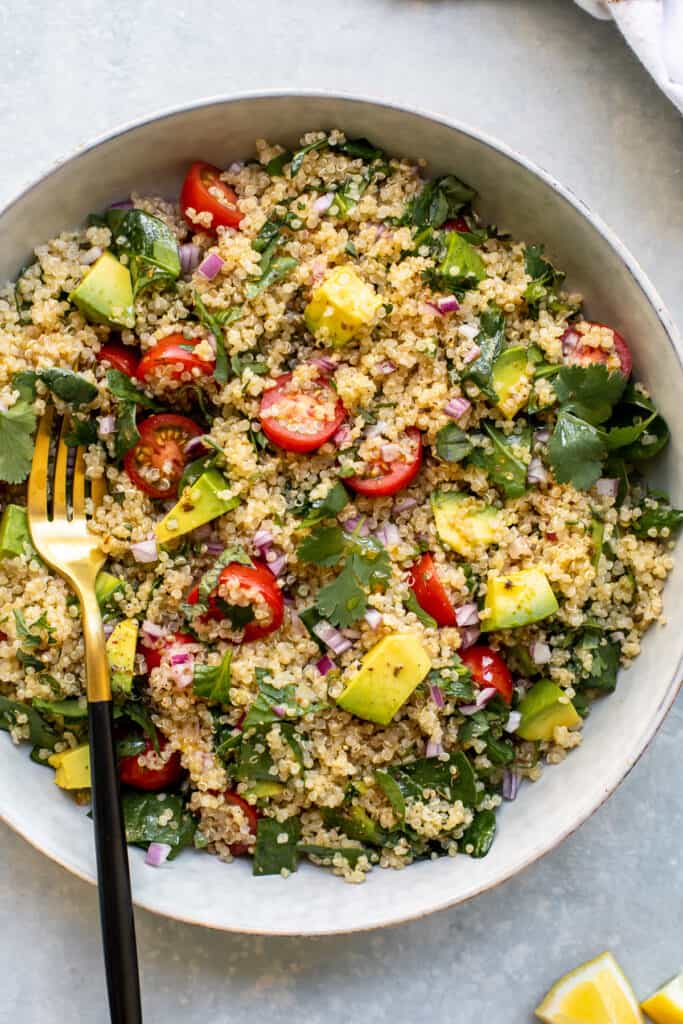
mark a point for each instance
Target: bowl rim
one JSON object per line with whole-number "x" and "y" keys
{"x": 640, "y": 278}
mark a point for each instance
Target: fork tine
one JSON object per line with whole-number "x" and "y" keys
{"x": 98, "y": 489}
{"x": 59, "y": 486}
{"x": 37, "y": 484}
{"x": 79, "y": 484}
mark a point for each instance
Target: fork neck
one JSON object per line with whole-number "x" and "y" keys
{"x": 96, "y": 664}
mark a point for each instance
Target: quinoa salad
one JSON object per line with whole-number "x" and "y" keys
{"x": 377, "y": 525}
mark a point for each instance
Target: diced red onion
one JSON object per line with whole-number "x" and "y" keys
{"x": 433, "y": 305}
{"x": 152, "y": 631}
{"x": 468, "y": 636}
{"x": 190, "y": 256}
{"x": 211, "y": 338}
{"x": 202, "y": 532}
{"x": 279, "y": 710}
{"x": 157, "y": 854}
{"x": 485, "y": 695}
{"x": 210, "y": 266}
{"x": 325, "y": 665}
{"x": 341, "y": 436}
{"x": 380, "y": 230}
{"x": 447, "y": 304}
{"x": 388, "y": 534}
{"x": 457, "y": 407}
{"x": 354, "y": 523}
{"x": 469, "y": 331}
{"x": 390, "y": 452}
{"x": 511, "y": 782}
{"x": 108, "y": 628}
{"x": 607, "y": 487}
{"x": 540, "y": 653}
{"x": 93, "y": 254}
{"x": 570, "y": 340}
{"x": 278, "y": 564}
{"x": 373, "y": 618}
{"x": 262, "y": 539}
{"x": 180, "y": 658}
{"x": 194, "y": 446}
{"x": 536, "y": 472}
{"x": 123, "y": 204}
{"x": 467, "y": 614}
{"x": 145, "y": 551}
{"x": 325, "y": 364}
{"x": 215, "y": 547}
{"x": 433, "y": 749}
{"x": 542, "y": 436}
{"x": 386, "y": 367}
{"x": 468, "y": 709}
{"x": 376, "y": 429}
{"x": 351, "y": 634}
{"x": 323, "y": 203}
{"x": 331, "y": 637}
{"x": 317, "y": 269}
{"x": 297, "y": 623}
{"x": 236, "y": 166}
{"x": 182, "y": 672}
{"x": 106, "y": 425}
{"x": 473, "y": 354}
{"x": 437, "y": 695}
{"x": 404, "y": 505}
{"x": 513, "y": 722}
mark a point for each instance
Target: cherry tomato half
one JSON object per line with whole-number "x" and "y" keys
{"x": 251, "y": 814}
{"x": 119, "y": 357}
{"x": 456, "y": 224}
{"x": 132, "y": 773}
{"x": 204, "y": 192}
{"x": 489, "y": 669}
{"x": 390, "y": 478}
{"x": 430, "y": 592}
{"x": 154, "y": 654}
{"x": 156, "y": 462}
{"x": 580, "y": 354}
{"x": 300, "y": 421}
{"x": 172, "y": 358}
{"x": 260, "y": 584}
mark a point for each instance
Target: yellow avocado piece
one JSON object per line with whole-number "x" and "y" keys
{"x": 73, "y": 767}
{"x": 463, "y": 523}
{"x": 518, "y": 599}
{"x": 543, "y": 709}
{"x": 509, "y": 377}
{"x": 341, "y": 305}
{"x": 206, "y": 499}
{"x": 264, "y": 789}
{"x": 121, "y": 647}
{"x": 389, "y": 673}
{"x": 105, "y": 294}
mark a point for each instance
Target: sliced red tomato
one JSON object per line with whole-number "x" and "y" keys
{"x": 156, "y": 462}
{"x": 132, "y": 773}
{"x": 260, "y": 583}
{"x": 119, "y": 357}
{"x": 154, "y": 652}
{"x": 204, "y": 192}
{"x": 173, "y": 358}
{"x": 392, "y": 477}
{"x": 455, "y": 224}
{"x": 300, "y": 421}
{"x": 489, "y": 669}
{"x": 578, "y": 353}
{"x": 251, "y": 814}
{"x": 430, "y": 592}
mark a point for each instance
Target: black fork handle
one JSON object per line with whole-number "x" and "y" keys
{"x": 116, "y": 907}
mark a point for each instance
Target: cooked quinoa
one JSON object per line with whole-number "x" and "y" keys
{"x": 410, "y": 431}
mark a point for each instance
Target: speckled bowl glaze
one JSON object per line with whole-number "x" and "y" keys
{"x": 152, "y": 156}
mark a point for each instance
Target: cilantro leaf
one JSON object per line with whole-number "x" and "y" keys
{"x": 452, "y": 443}
{"x": 589, "y": 392}
{"x": 215, "y": 322}
{"x": 438, "y": 201}
{"x": 454, "y": 680}
{"x": 122, "y": 387}
{"x": 502, "y": 461}
{"x": 342, "y": 601}
{"x": 271, "y": 856}
{"x": 324, "y": 546}
{"x": 413, "y": 605}
{"x": 17, "y": 425}
{"x": 328, "y": 507}
{"x": 213, "y": 681}
{"x": 577, "y": 450}
{"x": 490, "y": 340}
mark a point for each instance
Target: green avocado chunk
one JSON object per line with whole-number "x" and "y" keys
{"x": 106, "y": 586}
{"x": 464, "y": 523}
{"x": 508, "y": 377}
{"x": 105, "y": 295}
{"x": 206, "y": 499}
{"x": 543, "y": 709}
{"x": 518, "y": 599}
{"x": 15, "y": 538}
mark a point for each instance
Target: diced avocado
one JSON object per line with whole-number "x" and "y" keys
{"x": 73, "y": 767}
{"x": 509, "y": 377}
{"x": 518, "y": 599}
{"x": 464, "y": 523}
{"x": 206, "y": 499}
{"x": 121, "y": 647}
{"x": 106, "y": 586}
{"x": 597, "y": 537}
{"x": 340, "y": 306}
{"x": 543, "y": 709}
{"x": 105, "y": 294}
{"x": 389, "y": 673}
{"x": 264, "y": 789}
{"x": 15, "y": 538}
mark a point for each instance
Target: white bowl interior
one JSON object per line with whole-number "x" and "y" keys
{"x": 198, "y": 888}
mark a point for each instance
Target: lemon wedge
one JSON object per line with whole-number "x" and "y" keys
{"x": 597, "y": 992}
{"x": 666, "y": 1006}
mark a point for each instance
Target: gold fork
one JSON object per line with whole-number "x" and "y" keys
{"x": 59, "y": 530}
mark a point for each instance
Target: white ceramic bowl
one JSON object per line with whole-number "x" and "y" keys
{"x": 153, "y": 156}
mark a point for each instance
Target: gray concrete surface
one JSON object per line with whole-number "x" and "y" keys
{"x": 546, "y": 78}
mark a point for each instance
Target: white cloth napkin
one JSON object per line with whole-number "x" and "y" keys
{"x": 654, "y": 31}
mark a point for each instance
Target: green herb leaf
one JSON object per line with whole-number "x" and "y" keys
{"x": 17, "y": 425}
{"x": 82, "y": 432}
{"x": 502, "y": 459}
{"x": 127, "y": 433}
{"x": 459, "y": 267}
{"x": 122, "y": 387}
{"x": 545, "y": 284}
{"x": 589, "y": 392}
{"x": 149, "y": 244}
{"x": 576, "y": 451}
{"x": 270, "y": 697}
{"x": 141, "y": 813}
{"x": 359, "y": 148}
{"x": 254, "y": 762}
{"x": 324, "y": 508}
{"x": 72, "y": 708}
{"x": 69, "y": 386}
{"x": 356, "y": 823}
{"x": 215, "y": 322}
{"x": 392, "y": 791}
{"x": 413, "y": 605}
{"x": 213, "y": 681}
{"x": 490, "y": 340}
{"x": 276, "y": 167}
{"x": 454, "y": 681}
{"x": 439, "y": 200}
{"x": 605, "y": 662}
{"x": 327, "y": 853}
{"x": 452, "y": 779}
{"x": 452, "y": 443}
{"x": 656, "y": 518}
{"x": 277, "y": 270}
{"x": 480, "y": 834}
{"x": 137, "y": 712}
{"x": 40, "y": 733}
{"x": 324, "y": 546}
{"x": 299, "y": 154}
{"x": 271, "y": 854}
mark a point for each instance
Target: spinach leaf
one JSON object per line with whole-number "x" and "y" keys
{"x": 480, "y": 834}
{"x": 40, "y": 733}
{"x": 576, "y": 451}
{"x": 605, "y": 664}
{"x": 502, "y": 462}
{"x": 459, "y": 266}
{"x": 127, "y": 433}
{"x": 412, "y": 604}
{"x": 355, "y": 823}
{"x": 656, "y": 517}
{"x": 71, "y": 387}
{"x": 359, "y": 148}
{"x": 274, "y": 271}
{"x": 263, "y": 710}
{"x": 327, "y": 853}
{"x": 137, "y": 712}
{"x": 490, "y": 340}
{"x": 149, "y": 244}
{"x": 454, "y": 680}
{"x": 312, "y": 512}
{"x": 193, "y": 470}
{"x": 276, "y": 167}
{"x": 392, "y": 791}
{"x": 439, "y": 200}
{"x": 299, "y": 154}
{"x": 71, "y": 708}
{"x": 452, "y": 779}
{"x": 141, "y": 813}
{"x": 324, "y": 546}
{"x": 272, "y": 855}
{"x": 82, "y": 432}
{"x": 254, "y": 762}
{"x": 213, "y": 681}
{"x": 123, "y": 388}
{"x": 452, "y": 443}
{"x": 215, "y": 322}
